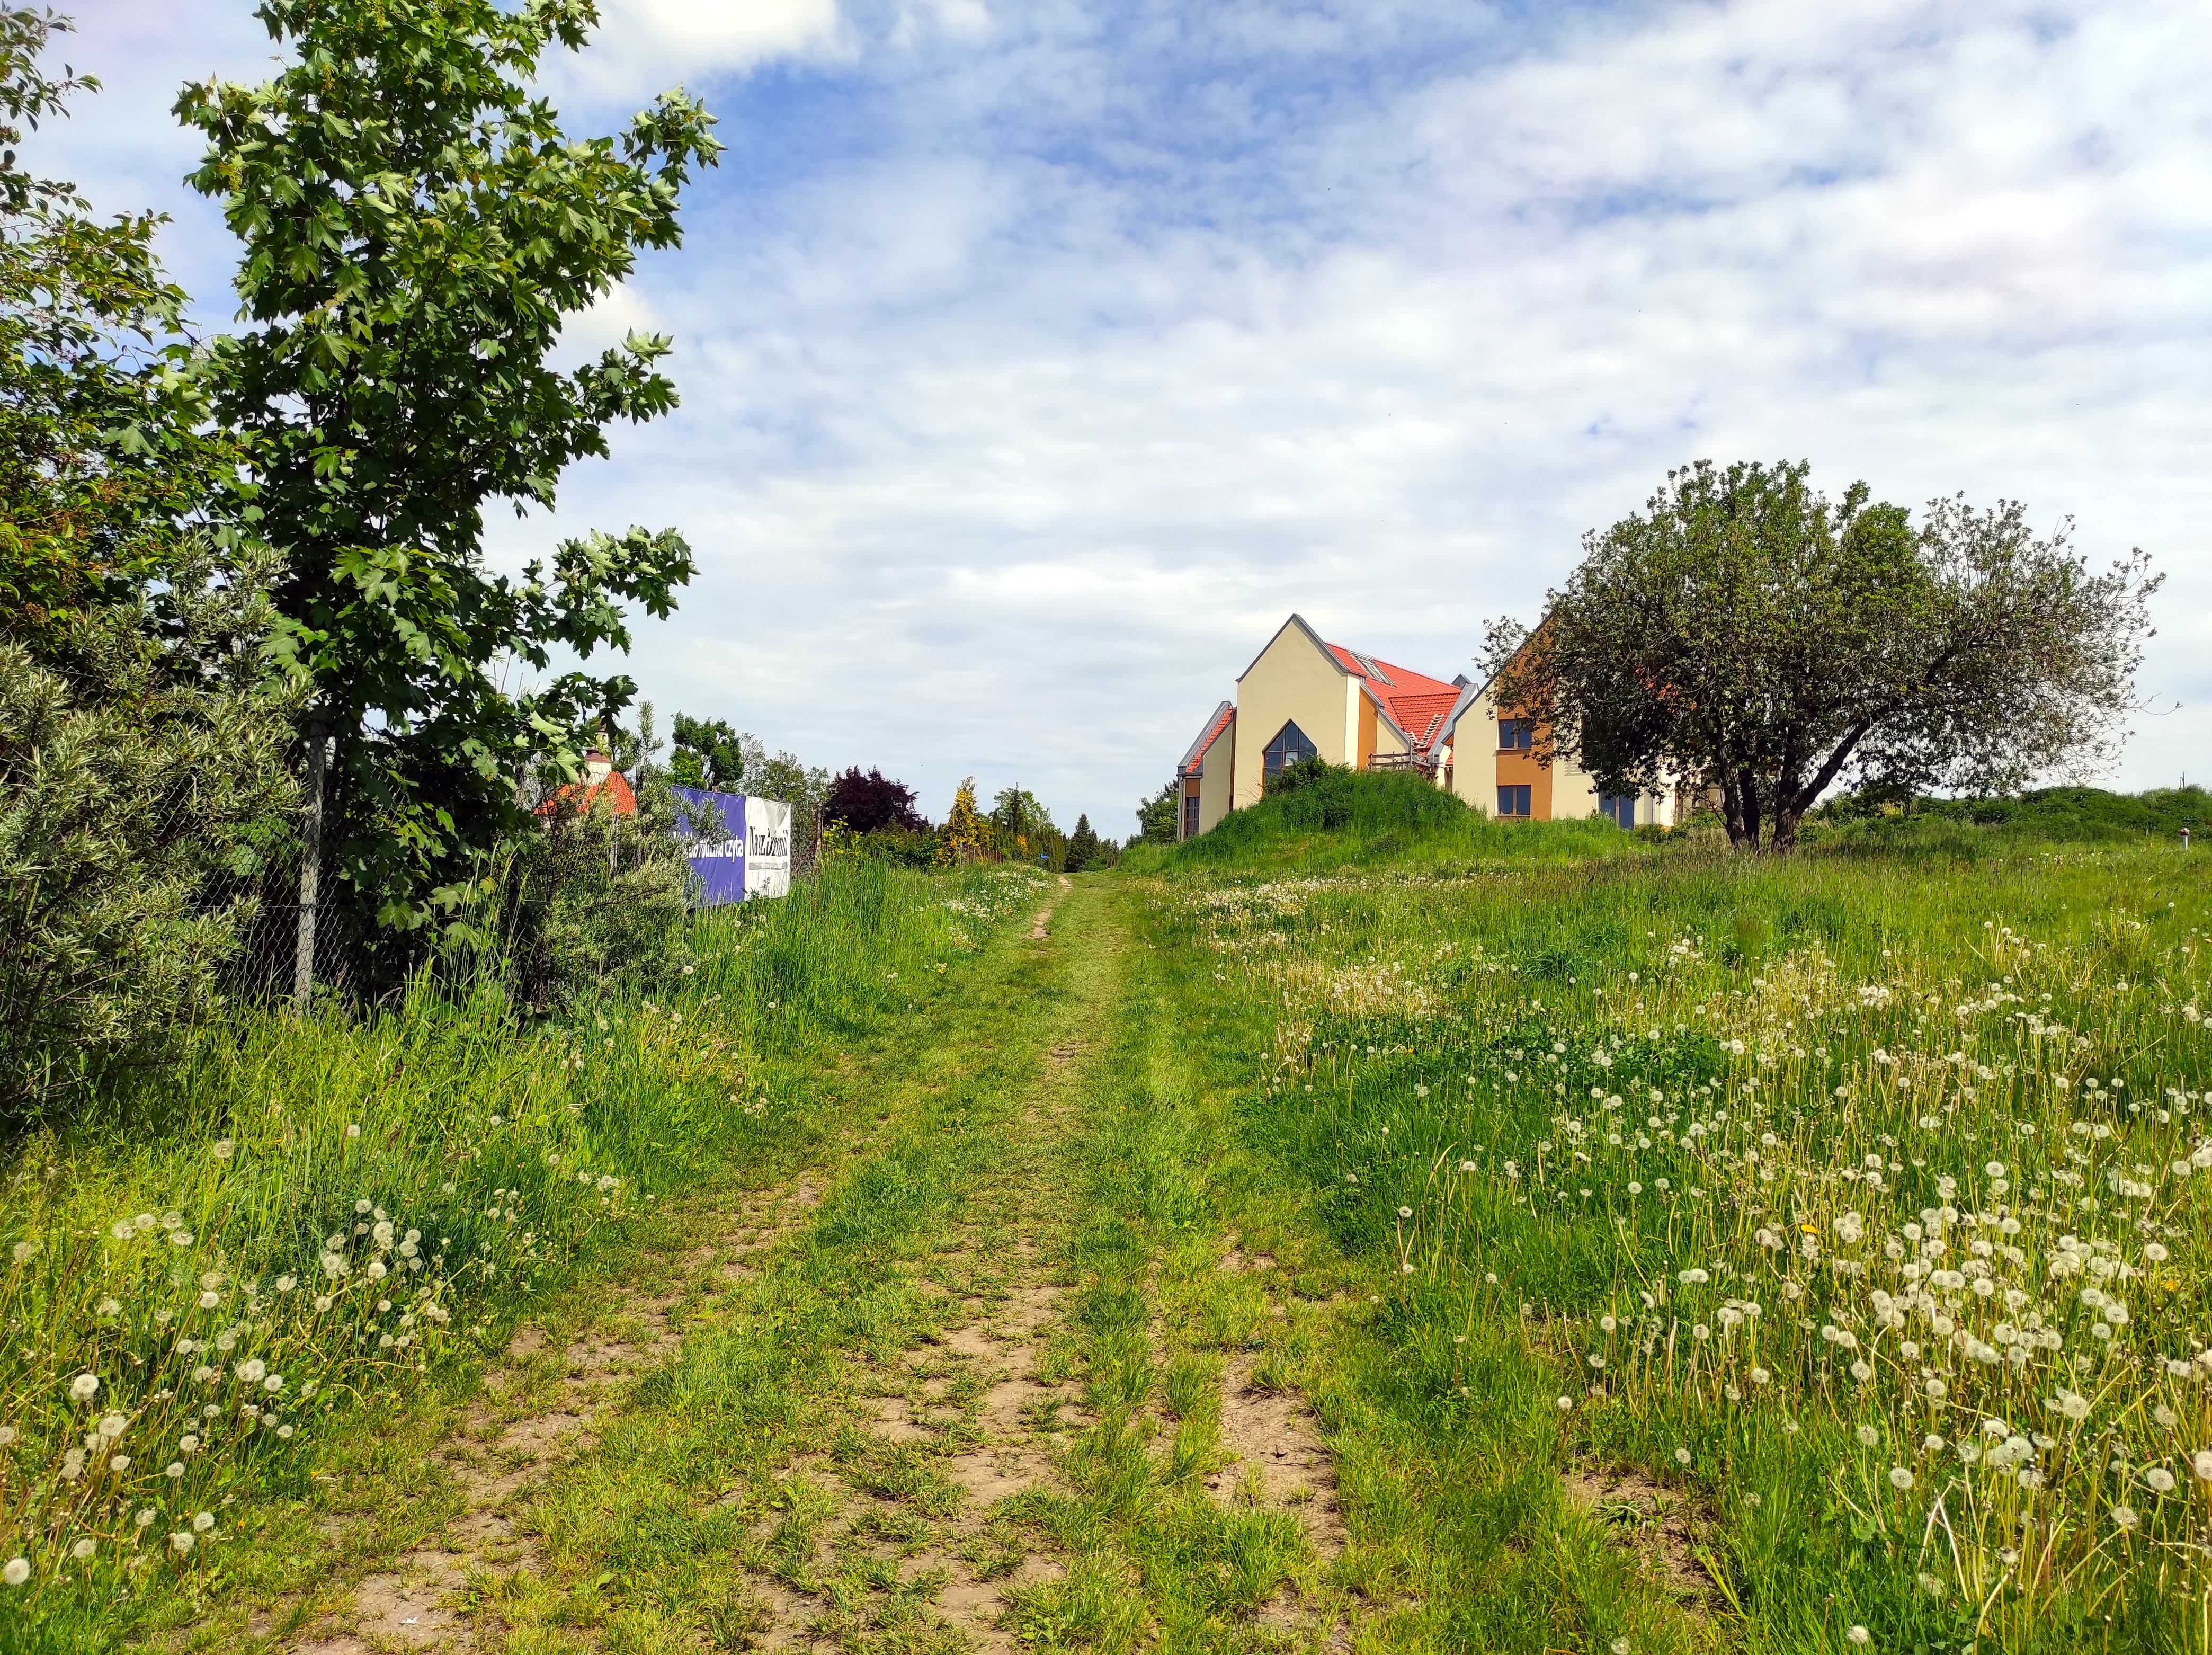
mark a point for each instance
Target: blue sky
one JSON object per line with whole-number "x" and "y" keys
{"x": 1038, "y": 360}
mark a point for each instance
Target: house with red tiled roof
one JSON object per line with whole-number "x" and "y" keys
{"x": 601, "y": 783}
{"x": 1304, "y": 698}
{"x": 1206, "y": 773}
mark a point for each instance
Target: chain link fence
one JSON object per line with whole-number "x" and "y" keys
{"x": 539, "y": 906}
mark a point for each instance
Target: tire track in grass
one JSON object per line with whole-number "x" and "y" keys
{"x": 831, "y": 1462}
{"x": 539, "y": 1408}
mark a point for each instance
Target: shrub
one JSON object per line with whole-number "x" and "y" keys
{"x": 143, "y": 764}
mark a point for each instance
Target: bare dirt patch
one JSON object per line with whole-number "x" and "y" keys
{"x": 1656, "y": 1523}
{"x": 1277, "y": 1444}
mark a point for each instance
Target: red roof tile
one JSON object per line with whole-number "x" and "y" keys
{"x": 1224, "y": 715}
{"x": 1415, "y": 702}
{"x": 581, "y": 796}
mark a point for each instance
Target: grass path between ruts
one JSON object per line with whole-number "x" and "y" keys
{"x": 1019, "y": 1359}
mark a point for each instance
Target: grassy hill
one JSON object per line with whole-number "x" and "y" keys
{"x": 2074, "y": 815}
{"x": 1333, "y": 818}
{"x": 1345, "y": 818}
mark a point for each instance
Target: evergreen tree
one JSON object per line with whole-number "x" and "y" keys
{"x": 967, "y": 833}
{"x": 1082, "y": 846}
{"x": 709, "y": 754}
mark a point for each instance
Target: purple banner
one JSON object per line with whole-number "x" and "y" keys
{"x": 717, "y": 850}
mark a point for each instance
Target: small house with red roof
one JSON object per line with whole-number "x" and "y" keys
{"x": 602, "y": 783}
{"x": 1304, "y": 698}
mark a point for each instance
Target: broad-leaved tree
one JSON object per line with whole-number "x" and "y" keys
{"x": 1747, "y": 634}
{"x": 417, "y": 231}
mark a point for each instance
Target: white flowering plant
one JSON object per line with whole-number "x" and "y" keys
{"x": 1880, "y": 1203}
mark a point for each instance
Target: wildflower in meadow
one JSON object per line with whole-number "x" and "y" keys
{"x": 17, "y": 1571}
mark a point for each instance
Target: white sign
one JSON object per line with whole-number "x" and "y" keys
{"x": 767, "y": 848}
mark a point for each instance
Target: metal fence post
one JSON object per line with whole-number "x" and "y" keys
{"x": 311, "y": 866}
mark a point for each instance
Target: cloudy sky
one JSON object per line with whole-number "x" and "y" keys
{"x": 1037, "y": 360}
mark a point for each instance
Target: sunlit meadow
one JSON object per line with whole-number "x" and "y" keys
{"x": 1862, "y": 1200}
{"x": 217, "y": 1272}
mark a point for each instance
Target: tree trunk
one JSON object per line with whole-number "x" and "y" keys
{"x": 1731, "y": 806}
{"x": 1785, "y": 827}
{"x": 311, "y": 865}
{"x": 1747, "y": 788}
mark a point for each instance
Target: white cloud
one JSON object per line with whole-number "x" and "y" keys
{"x": 1036, "y": 360}
{"x": 644, "y": 44}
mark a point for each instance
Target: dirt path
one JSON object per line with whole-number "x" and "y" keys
{"x": 1001, "y": 1384}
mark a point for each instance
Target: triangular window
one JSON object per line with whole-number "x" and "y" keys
{"x": 1289, "y": 746}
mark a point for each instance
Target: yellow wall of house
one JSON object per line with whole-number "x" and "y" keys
{"x": 1216, "y": 778}
{"x": 1475, "y": 755}
{"x": 1562, "y": 793}
{"x": 1573, "y": 793}
{"x": 1293, "y": 680}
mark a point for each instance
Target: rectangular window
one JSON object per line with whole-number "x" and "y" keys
{"x": 1190, "y": 816}
{"x": 1515, "y": 734}
{"x": 1513, "y": 801}
{"x": 1617, "y": 808}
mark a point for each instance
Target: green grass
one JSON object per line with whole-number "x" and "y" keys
{"x": 1383, "y": 819}
{"x": 258, "y": 1262}
{"x": 1511, "y": 1112}
{"x": 1577, "y": 1082}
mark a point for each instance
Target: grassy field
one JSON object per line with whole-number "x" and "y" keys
{"x": 1367, "y": 1227}
{"x": 1851, "y": 1206}
{"x": 241, "y": 1279}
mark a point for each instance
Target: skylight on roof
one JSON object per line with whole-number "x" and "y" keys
{"x": 1374, "y": 667}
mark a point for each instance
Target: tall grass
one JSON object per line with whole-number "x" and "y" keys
{"x": 208, "y": 1274}
{"x": 1865, "y": 1200}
